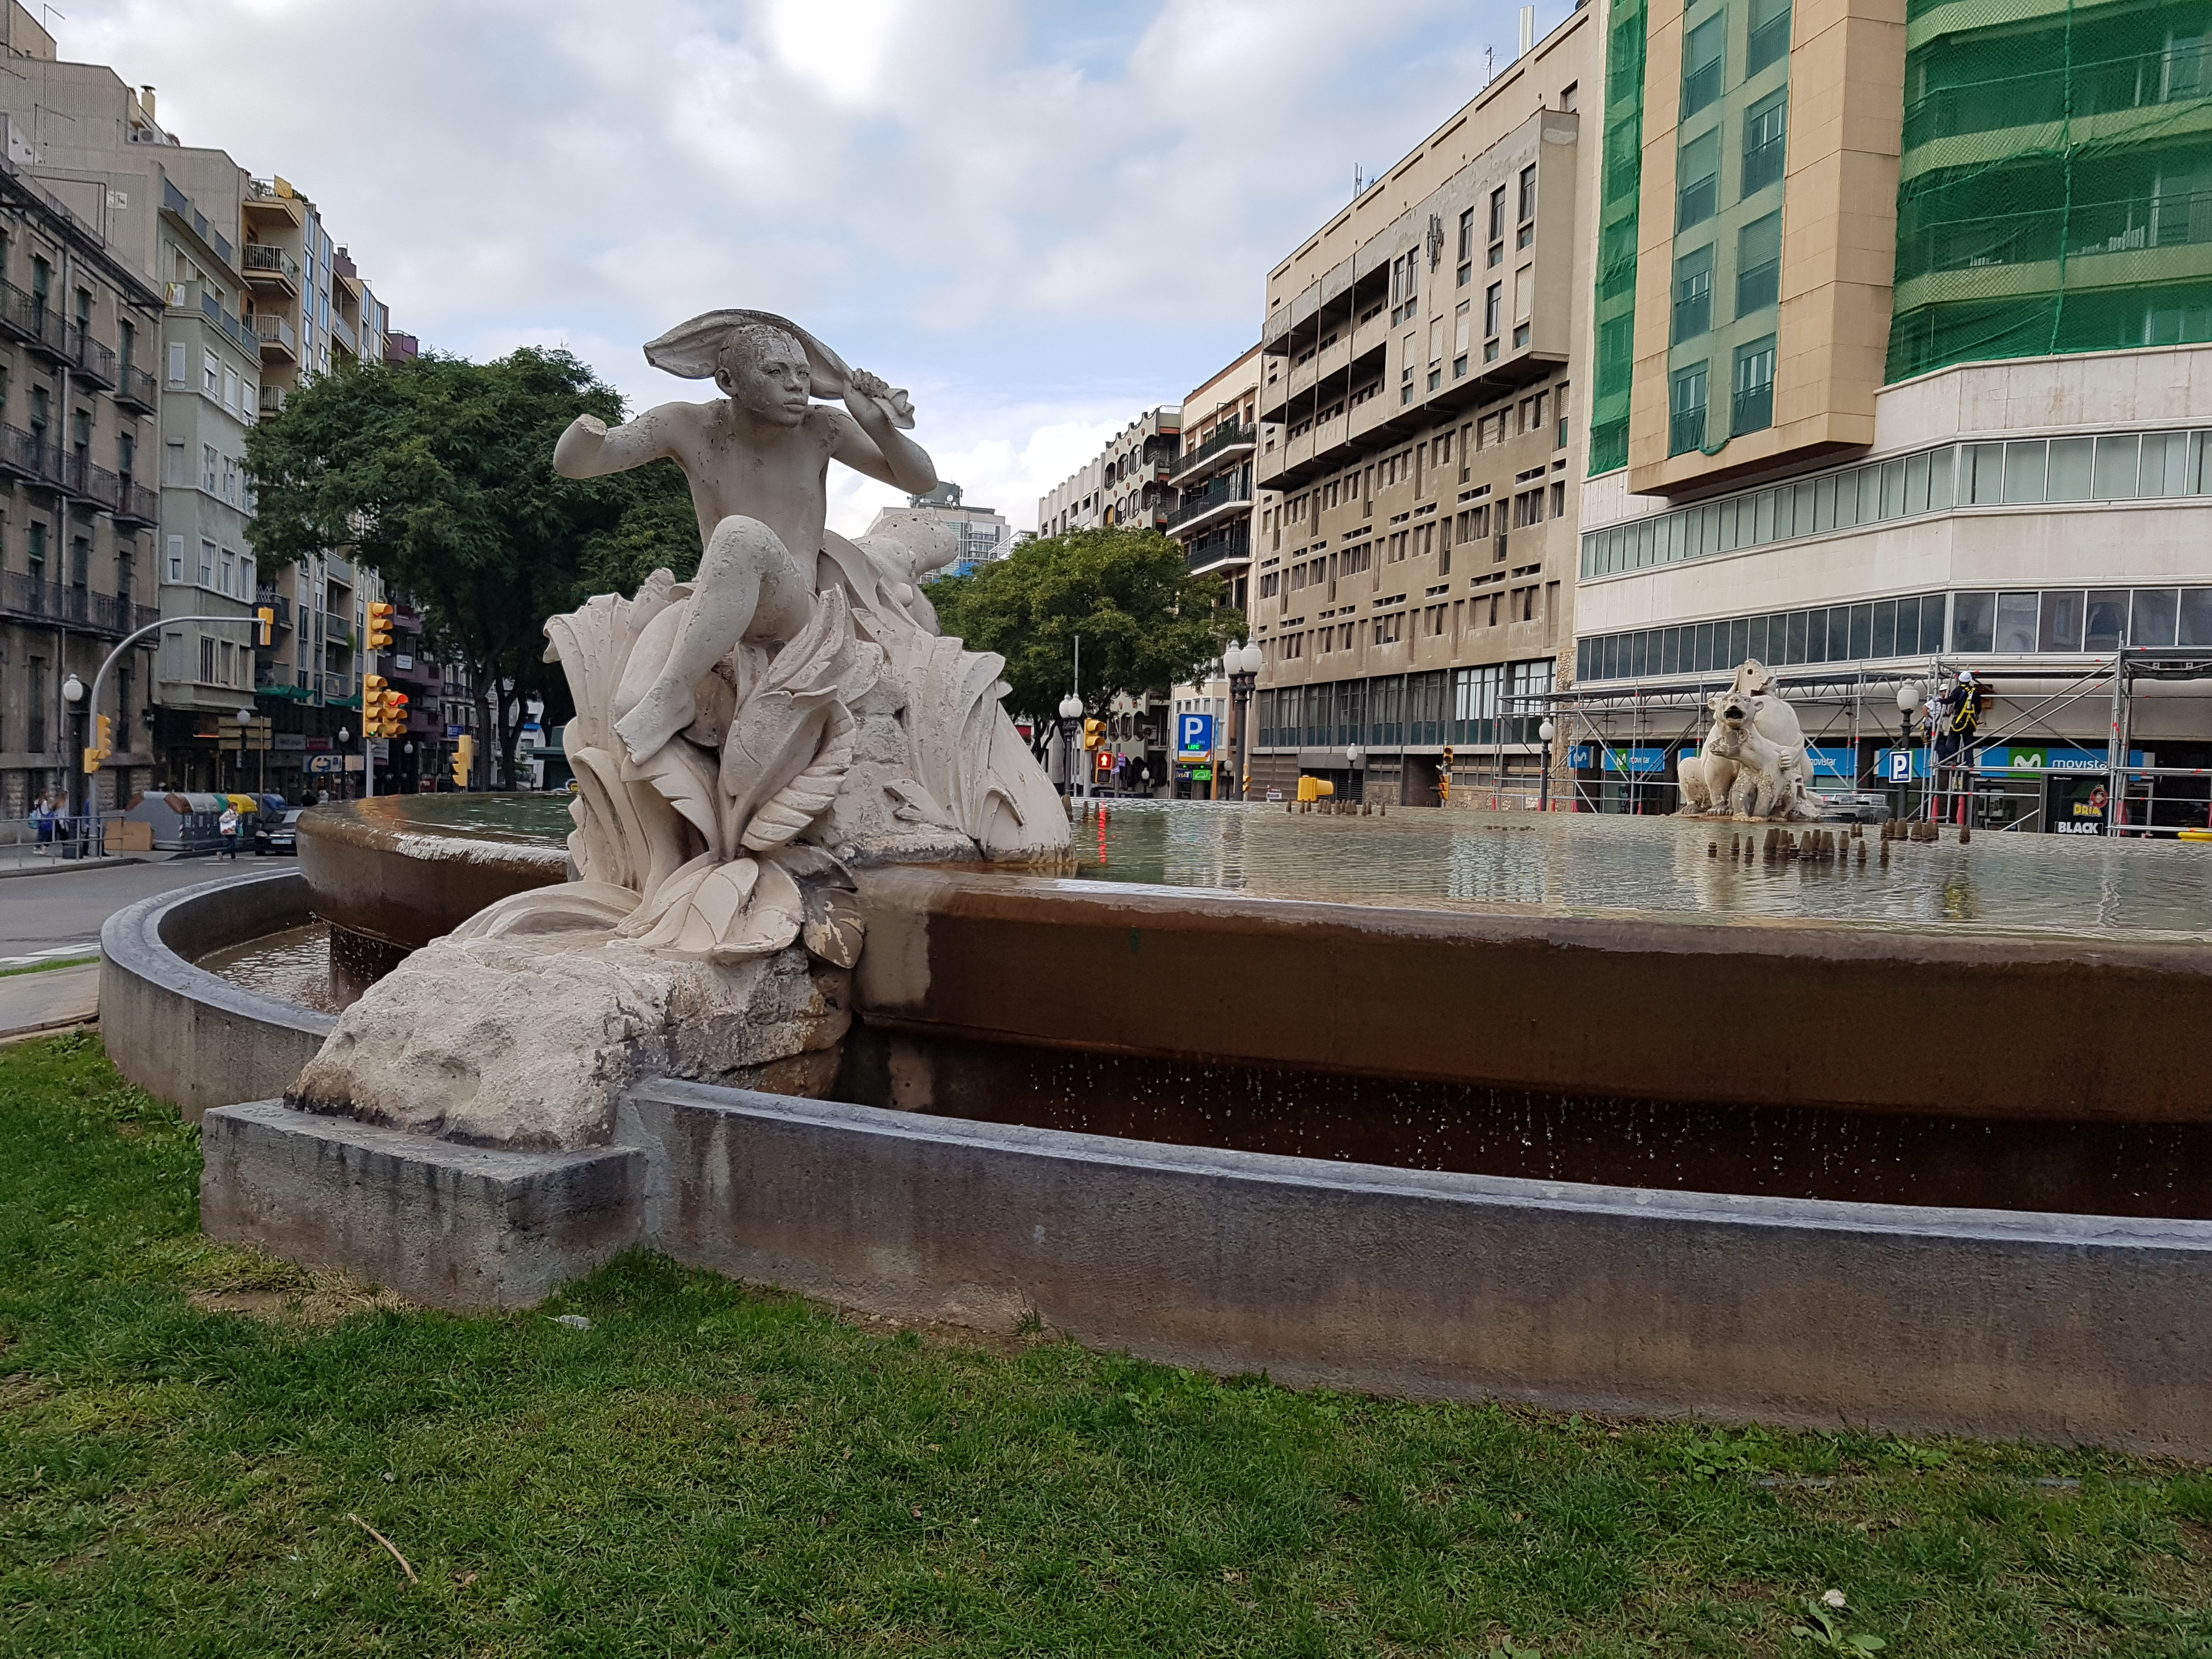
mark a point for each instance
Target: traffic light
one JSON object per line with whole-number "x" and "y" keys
{"x": 104, "y": 740}
{"x": 395, "y": 713}
{"x": 1094, "y": 733}
{"x": 372, "y": 705}
{"x": 266, "y": 618}
{"x": 380, "y": 626}
{"x": 465, "y": 755}
{"x": 91, "y": 760}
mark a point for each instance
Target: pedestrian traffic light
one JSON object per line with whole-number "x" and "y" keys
{"x": 380, "y": 626}
{"x": 91, "y": 759}
{"x": 265, "y": 619}
{"x": 1094, "y": 733}
{"x": 465, "y": 755}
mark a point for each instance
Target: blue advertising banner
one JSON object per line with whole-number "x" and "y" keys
{"x": 1635, "y": 760}
{"x": 1581, "y": 757}
{"x": 1834, "y": 763}
{"x": 2052, "y": 759}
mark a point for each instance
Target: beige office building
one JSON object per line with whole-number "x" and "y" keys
{"x": 1421, "y": 430}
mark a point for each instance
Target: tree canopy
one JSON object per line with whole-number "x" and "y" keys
{"x": 1146, "y": 622}
{"x": 438, "y": 475}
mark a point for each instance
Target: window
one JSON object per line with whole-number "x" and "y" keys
{"x": 1759, "y": 264}
{"x": 1686, "y": 428}
{"x": 1497, "y": 213}
{"x": 229, "y": 571}
{"x": 1702, "y": 52}
{"x": 80, "y": 570}
{"x": 176, "y": 569}
{"x": 1466, "y": 234}
{"x": 1693, "y": 294}
{"x": 176, "y": 363}
{"x": 1698, "y": 194}
{"x": 1765, "y": 125}
{"x": 1528, "y": 194}
{"x": 1493, "y": 304}
{"x": 211, "y": 374}
{"x": 207, "y": 659}
{"x": 207, "y": 564}
{"x": 1463, "y": 325}
{"x": 38, "y": 552}
{"x": 1770, "y": 35}
{"x": 1754, "y": 407}
{"x": 210, "y": 464}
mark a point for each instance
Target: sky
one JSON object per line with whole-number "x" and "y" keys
{"x": 1041, "y": 219}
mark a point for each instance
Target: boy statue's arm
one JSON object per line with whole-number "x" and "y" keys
{"x": 869, "y": 443}
{"x": 589, "y": 449}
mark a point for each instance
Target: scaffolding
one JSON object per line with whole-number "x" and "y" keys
{"x": 1837, "y": 709}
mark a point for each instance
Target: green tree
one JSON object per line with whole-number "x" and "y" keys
{"x": 438, "y": 475}
{"x": 1146, "y": 622}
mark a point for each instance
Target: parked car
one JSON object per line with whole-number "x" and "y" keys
{"x": 276, "y": 835}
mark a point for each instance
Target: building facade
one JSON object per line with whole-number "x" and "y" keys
{"x": 1126, "y": 483}
{"x": 78, "y": 330}
{"x": 255, "y": 297}
{"x": 1903, "y": 337}
{"x": 1420, "y": 430}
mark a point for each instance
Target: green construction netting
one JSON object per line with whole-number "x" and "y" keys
{"x": 2056, "y": 191}
{"x": 1615, "y": 301}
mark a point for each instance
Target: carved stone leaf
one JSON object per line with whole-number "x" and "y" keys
{"x": 834, "y": 928}
{"x": 685, "y": 779}
{"x": 576, "y": 906}
{"x": 717, "y": 905}
{"x": 787, "y": 813}
{"x": 770, "y": 920}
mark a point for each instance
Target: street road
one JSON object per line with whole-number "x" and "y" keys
{"x": 40, "y": 915}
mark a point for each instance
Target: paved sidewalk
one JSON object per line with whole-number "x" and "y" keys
{"x": 49, "y": 1001}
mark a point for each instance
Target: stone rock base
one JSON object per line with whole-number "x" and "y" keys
{"x": 526, "y": 1043}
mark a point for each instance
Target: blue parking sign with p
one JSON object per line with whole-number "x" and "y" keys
{"x": 1194, "y": 734}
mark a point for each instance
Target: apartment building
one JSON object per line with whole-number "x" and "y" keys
{"x": 1904, "y": 346}
{"x": 1211, "y": 476}
{"x": 78, "y": 328}
{"x": 256, "y": 297}
{"x": 1420, "y": 427}
{"x": 1126, "y": 483}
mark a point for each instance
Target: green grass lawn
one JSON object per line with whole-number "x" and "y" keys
{"x": 188, "y": 1434}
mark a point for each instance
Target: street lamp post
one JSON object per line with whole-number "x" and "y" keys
{"x": 1546, "y": 732}
{"x": 73, "y": 694}
{"x": 1908, "y": 701}
{"x": 245, "y": 718}
{"x": 1357, "y": 757}
{"x": 1070, "y": 714}
{"x": 345, "y": 738}
{"x": 1243, "y": 663}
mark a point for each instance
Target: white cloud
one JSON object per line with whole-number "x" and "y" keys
{"x": 1042, "y": 217}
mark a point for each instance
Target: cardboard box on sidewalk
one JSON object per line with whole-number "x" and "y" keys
{"x": 125, "y": 835}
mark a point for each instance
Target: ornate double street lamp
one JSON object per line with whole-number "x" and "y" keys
{"x": 1070, "y": 712}
{"x": 1243, "y": 663}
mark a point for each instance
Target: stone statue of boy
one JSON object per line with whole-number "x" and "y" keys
{"x": 759, "y": 464}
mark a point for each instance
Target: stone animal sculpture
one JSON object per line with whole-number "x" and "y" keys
{"x": 1759, "y": 786}
{"x": 1777, "y": 723}
{"x": 1706, "y": 776}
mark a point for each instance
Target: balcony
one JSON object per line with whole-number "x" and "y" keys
{"x": 239, "y": 333}
{"x": 175, "y": 203}
{"x": 95, "y": 361}
{"x": 1219, "y": 550}
{"x": 136, "y": 506}
{"x": 27, "y": 598}
{"x": 135, "y": 389}
{"x": 342, "y": 332}
{"x": 276, "y": 336}
{"x": 91, "y": 483}
{"x": 270, "y": 267}
{"x": 1220, "y": 499}
{"x": 1230, "y": 443}
{"x": 264, "y": 200}
{"x": 29, "y": 319}
{"x": 277, "y": 603}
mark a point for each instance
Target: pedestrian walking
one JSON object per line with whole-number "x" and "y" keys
{"x": 228, "y": 823}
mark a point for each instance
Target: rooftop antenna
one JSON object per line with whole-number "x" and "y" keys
{"x": 1358, "y": 181}
{"x": 1489, "y": 65}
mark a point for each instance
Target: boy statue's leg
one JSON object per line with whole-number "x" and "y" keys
{"x": 748, "y": 585}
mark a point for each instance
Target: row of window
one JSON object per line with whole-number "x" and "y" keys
{"x": 1483, "y": 705}
{"x": 1489, "y": 608}
{"x": 2055, "y": 621}
{"x": 219, "y": 569}
{"x": 1757, "y": 278}
{"x": 2104, "y": 467}
{"x": 219, "y": 384}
